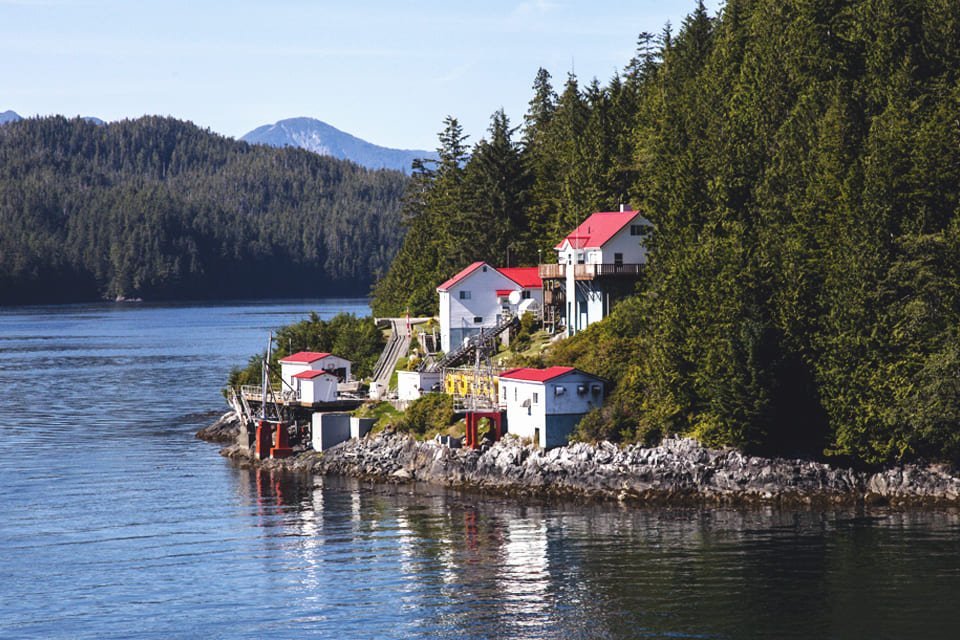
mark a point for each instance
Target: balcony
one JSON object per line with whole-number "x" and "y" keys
{"x": 590, "y": 271}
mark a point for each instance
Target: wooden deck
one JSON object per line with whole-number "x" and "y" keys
{"x": 589, "y": 271}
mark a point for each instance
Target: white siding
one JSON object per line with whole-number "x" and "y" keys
{"x": 320, "y": 389}
{"x": 409, "y": 383}
{"x": 632, "y": 248}
{"x": 287, "y": 371}
{"x": 330, "y": 363}
{"x": 521, "y": 420}
{"x": 457, "y": 315}
{"x": 524, "y": 421}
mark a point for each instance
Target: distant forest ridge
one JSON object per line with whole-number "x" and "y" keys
{"x": 161, "y": 209}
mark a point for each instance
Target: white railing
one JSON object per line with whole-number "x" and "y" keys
{"x": 255, "y": 392}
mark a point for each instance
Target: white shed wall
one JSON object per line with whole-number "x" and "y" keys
{"x": 320, "y": 389}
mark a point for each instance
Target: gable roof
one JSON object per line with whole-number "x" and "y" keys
{"x": 460, "y": 276}
{"x": 305, "y": 357}
{"x": 311, "y": 374}
{"x": 527, "y": 374}
{"x": 597, "y": 229}
{"x": 526, "y": 277}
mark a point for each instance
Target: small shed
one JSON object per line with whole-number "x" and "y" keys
{"x": 413, "y": 384}
{"x": 314, "y": 361}
{"x": 545, "y": 405}
{"x": 331, "y": 428}
{"x": 315, "y": 386}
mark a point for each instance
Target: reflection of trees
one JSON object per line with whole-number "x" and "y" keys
{"x": 418, "y": 561}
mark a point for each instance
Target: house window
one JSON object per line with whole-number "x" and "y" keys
{"x": 535, "y": 398}
{"x": 477, "y": 319}
{"x": 484, "y": 268}
{"x": 638, "y": 230}
{"x": 464, "y": 295}
{"x": 514, "y": 393}
{"x": 524, "y": 295}
{"x": 618, "y": 259}
{"x": 559, "y": 391}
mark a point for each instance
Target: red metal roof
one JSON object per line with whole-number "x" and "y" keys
{"x": 535, "y": 375}
{"x": 595, "y": 231}
{"x": 311, "y": 374}
{"x": 305, "y": 357}
{"x": 460, "y": 276}
{"x": 526, "y": 277}
{"x": 504, "y": 292}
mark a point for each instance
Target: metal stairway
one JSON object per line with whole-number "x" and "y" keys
{"x": 483, "y": 341}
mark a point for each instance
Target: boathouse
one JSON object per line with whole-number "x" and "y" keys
{"x": 545, "y": 405}
{"x": 313, "y": 361}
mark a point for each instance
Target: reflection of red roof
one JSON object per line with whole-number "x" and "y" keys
{"x": 595, "y": 231}
{"x": 460, "y": 276}
{"x": 526, "y": 277}
{"x": 535, "y": 375}
{"x": 310, "y": 375}
{"x": 305, "y": 357}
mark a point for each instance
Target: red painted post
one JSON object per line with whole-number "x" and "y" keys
{"x": 282, "y": 447}
{"x": 263, "y": 440}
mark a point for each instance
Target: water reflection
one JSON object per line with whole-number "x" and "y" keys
{"x": 425, "y": 562}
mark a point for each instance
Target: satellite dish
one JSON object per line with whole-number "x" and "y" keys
{"x": 514, "y": 297}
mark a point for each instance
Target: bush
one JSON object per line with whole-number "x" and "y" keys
{"x": 430, "y": 412}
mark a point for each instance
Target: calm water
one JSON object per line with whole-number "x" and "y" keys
{"x": 117, "y": 523}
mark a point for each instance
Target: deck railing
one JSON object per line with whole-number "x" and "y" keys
{"x": 589, "y": 271}
{"x": 255, "y": 392}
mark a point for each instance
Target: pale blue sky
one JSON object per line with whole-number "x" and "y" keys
{"x": 388, "y": 72}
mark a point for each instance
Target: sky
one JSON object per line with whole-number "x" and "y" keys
{"x": 386, "y": 71}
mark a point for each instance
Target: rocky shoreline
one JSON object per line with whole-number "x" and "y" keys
{"x": 679, "y": 471}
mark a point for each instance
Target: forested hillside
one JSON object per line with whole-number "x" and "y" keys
{"x": 801, "y": 163}
{"x": 159, "y": 208}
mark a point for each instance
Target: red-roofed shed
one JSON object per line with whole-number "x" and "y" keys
{"x": 545, "y": 405}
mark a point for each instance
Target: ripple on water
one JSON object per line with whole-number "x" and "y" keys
{"x": 122, "y": 524}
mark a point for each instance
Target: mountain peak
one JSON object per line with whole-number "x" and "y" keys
{"x": 9, "y": 116}
{"x": 319, "y": 137}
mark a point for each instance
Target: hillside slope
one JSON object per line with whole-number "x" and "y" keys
{"x": 159, "y": 208}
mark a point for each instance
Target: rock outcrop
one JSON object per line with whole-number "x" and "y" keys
{"x": 678, "y": 471}
{"x": 225, "y": 429}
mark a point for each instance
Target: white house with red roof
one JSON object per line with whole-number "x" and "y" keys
{"x": 545, "y": 405}
{"x": 304, "y": 361}
{"x": 315, "y": 385}
{"x": 479, "y": 297}
{"x": 597, "y": 263}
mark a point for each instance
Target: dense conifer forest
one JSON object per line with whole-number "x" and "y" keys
{"x": 801, "y": 162}
{"x": 159, "y": 208}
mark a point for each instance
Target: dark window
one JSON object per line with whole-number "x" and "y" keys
{"x": 637, "y": 230}
{"x": 524, "y": 295}
{"x": 618, "y": 259}
{"x": 477, "y": 319}
{"x": 464, "y": 295}
{"x": 535, "y": 398}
